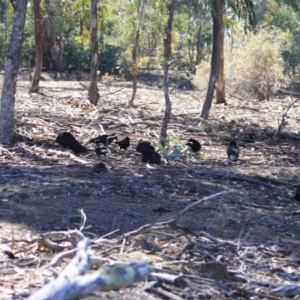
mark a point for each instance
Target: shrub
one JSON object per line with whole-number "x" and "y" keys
{"x": 253, "y": 66}
{"x": 108, "y": 59}
{"x": 258, "y": 64}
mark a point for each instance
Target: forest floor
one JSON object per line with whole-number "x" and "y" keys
{"x": 243, "y": 244}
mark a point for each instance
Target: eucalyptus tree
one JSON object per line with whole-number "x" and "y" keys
{"x": 242, "y": 9}
{"x": 51, "y": 37}
{"x": 93, "y": 94}
{"x": 285, "y": 15}
{"x": 134, "y": 51}
{"x": 192, "y": 24}
{"x": 11, "y": 71}
{"x": 170, "y": 4}
{"x": 34, "y": 86}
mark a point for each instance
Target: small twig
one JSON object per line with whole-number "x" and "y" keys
{"x": 85, "y": 87}
{"x": 54, "y": 261}
{"x": 200, "y": 201}
{"x": 215, "y": 240}
{"x": 123, "y": 245}
{"x": 84, "y": 219}
{"x": 283, "y": 118}
{"x": 43, "y": 242}
{"x": 124, "y": 87}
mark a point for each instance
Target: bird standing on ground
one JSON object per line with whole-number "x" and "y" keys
{"x": 194, "y": 144}
{"x": 124, "y": 144}
{"x": 101, "y": 149}
{"x": 144, "y": 146}
{"x": 105, "y": 139}
{"x": 151, "y": 157}
{"x": 149, "y": 154}
{"x": 233, "y": 151}
{"x": 67, "y": 140}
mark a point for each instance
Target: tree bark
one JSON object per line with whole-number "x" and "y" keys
{"x": 167, "y": 56}
{"x": 217, "y": 28}
{"x": 52, "y": 44}
{"x": 220, "y": 80}
{"x": 93, "y": 88}
{"x": 11, "y": 71}
{"x": 38, "y": 47}
{"x": 134, "y": 53}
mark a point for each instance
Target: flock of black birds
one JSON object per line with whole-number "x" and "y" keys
{"x": 149, "y": 155}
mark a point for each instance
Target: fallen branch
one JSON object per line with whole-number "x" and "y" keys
{"x": 73, "y": 282}
{"x": 235, "y": 177}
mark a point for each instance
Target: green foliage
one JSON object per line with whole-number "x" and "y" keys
{"x": 257, "y": 64}
{"x": 200, "y": 79}
{"x": 76, "y": 55}
{"x": 173, "y": 150}
{"x": 284, "y": 15}
{"x": 117, "y": 22}
{"x": 108, "y": 59}
{"x": 253, "y": 64}
{"x": 209, "y": 127}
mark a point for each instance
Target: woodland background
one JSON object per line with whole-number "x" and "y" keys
{"x": 211, "y": 229}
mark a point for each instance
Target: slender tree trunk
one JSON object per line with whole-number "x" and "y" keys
{"x": 167, "y": 56}
{"x": 220, "y": 81}
{"x": 135, "y": 67}
{"x": 38, "y": 47}
{"x": 7, "y": 105}
{"x": 217, "y": 28}
{"x": 93, "y": 88}
{"x": 198, "y": 48}
{"x": 52, "y": 44}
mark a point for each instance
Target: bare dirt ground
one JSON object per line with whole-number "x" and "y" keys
{"x": 244, "y": 244}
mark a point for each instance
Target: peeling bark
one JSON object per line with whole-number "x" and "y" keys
{"x": 93, "y": 94}
{"x": 220, "y": 80}
{"x": 7, "y": 106}
{"x": 38, "y": 47}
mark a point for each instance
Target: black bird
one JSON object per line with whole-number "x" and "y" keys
{"x": 233, "y": 151}
{"x": 151, "y": 157}
{"x": 194, "y": 144}
{"x": 67, "y": 140}
{"x": 297, "y": 195}
{"x": 105, "y": 139}
{"x": 124, "y": 144}
{"x": 101, "y": 149}
{"x": 144, "y": 147}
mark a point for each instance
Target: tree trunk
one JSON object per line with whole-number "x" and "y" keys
{"x": 135, "y": 67}
{"x": 11, "y": 72}
{"x": 199, "y": 46}
{"x": 220, "y": 81}
{"x": 167, "y": 56}
{"x": 217, "y": 28}
{"x": 52, "y": 44}
{"x": 93, "y": 88}
{"x": 38, "y": 47}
